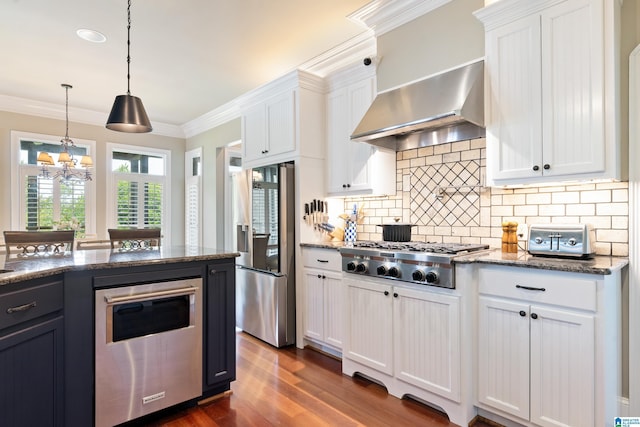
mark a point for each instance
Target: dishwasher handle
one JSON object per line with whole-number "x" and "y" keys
{"x": 150, "y": 295}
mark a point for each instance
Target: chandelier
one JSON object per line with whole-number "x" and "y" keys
{"x": 65, "y": 158}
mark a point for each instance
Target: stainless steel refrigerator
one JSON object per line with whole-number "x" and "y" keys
{"x": 265, "y": 274}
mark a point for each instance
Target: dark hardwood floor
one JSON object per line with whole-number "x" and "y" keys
{"x": 292, "y": 387}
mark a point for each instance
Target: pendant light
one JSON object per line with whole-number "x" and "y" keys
{"x": 127, "y": 113}
{"x": 65, "y": 157}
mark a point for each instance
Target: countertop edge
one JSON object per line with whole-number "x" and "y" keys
{"x": 600, "y": 265}
{"x": 324, "y": 245}
{"x": 24, "y": 275}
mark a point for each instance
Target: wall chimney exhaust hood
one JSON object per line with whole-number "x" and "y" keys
{"x": 448, "y": 107}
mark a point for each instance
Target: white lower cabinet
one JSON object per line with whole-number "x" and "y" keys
{"x": 406, "y": 338}
{"x": 324, "y": 296}
{"x": 538, "y": 361}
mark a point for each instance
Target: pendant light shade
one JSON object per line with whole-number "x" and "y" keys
{"x": 128, "y": 115}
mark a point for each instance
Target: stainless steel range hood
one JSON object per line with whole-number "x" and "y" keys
{"x": 444, "y": 108}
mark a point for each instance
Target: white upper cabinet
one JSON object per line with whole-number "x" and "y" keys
{"x": 354, "y": 168}
{"x": 550, "y": 91}
{"x": 283, "y": 120}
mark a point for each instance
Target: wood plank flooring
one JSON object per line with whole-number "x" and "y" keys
{"x": 293, "y": 387}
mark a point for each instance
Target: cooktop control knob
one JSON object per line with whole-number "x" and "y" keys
{"x": 394, "y": 272}
{"x": 361, "y": 268}
{"x": 432, "y": 277}
{"x": 381, "y": 270}
{"x": 351, "y": 266}
{"x": 419, "y": 276}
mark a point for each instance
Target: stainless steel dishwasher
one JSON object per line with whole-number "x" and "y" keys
{"x": 148, "y": 348}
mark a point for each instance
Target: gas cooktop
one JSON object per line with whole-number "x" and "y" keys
{"x": 423, "y": 263}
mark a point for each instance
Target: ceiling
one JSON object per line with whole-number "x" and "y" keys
{"x": 187, "y": 56}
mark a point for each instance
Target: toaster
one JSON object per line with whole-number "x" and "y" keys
{"x": 568, "y": 240}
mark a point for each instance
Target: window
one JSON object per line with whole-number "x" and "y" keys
{"x": 41, "y": 203}
{"x": 139, "y": 187}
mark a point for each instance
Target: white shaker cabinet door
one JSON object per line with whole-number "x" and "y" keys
{"x": 333, "y": 309}
{"x": 314, "y": 304}
{"x": 427, "y": 340}
{"x": 562, "y": 367}
{"x": 369, "y": 330}
{"x": 503, "y": 355}
{"x": 572, "y": 88}
{"x": 514, "y": 122}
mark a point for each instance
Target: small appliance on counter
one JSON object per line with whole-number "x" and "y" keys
{"x": 562, "y": 240}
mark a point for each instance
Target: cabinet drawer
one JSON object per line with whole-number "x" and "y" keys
{"x": 20, "y": 306}
{"x": 540, "y": 286}
{"x": 327, "y": 259}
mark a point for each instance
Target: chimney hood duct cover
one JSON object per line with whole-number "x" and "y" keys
{"x": 444, "y": 108}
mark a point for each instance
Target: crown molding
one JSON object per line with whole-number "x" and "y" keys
{"x": 13, "y": 104}
{"x": 382, "y": 16}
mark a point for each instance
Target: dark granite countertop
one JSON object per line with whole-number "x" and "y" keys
{"x": 601, "y": 265}
{"x": 335, "y": 245}
{"x": 35, "y": 266}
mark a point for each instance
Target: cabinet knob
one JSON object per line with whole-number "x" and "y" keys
{"x": 395, "y": 295}
{"x": 547, "y": 166}
{"x": 346, "y": 185}
{"x": 324, "y": 277}
{"x": 523, "y": 313}
{"x": 534, "y": 316}
{"x": 386, "y": 293}
{"x": 319, "y": 276}
{"x": 536, "y": 168}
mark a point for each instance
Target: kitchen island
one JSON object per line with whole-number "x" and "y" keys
{"x": 47, "y": 325}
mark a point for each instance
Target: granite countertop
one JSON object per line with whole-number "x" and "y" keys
{"x": 333, "y": 244}
{"x": 602, "y": 265}
{"x": 35, "y": 266}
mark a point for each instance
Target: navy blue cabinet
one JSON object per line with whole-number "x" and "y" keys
{"x": 219, "y": 329}
{"x": 31, "y": 355}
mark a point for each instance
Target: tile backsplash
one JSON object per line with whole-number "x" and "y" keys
{"x": 439, "y": 189}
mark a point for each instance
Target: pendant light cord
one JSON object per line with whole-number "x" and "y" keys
{"x": 66, "y": 139}
{"x": 128, "y": 45}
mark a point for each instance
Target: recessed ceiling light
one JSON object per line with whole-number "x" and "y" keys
{"x": 91, "y": 35}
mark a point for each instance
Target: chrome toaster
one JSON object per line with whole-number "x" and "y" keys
{"x": 562, "y": 240}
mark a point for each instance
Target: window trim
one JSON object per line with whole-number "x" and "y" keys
{"x": 17, "y": 195}
{"x": 111, "y": 185}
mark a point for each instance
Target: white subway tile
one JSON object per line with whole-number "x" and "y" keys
{"x": 526, "y": 190}
{"x": 616, "y": 236}
{"x": 409, "y": 154}
{"x": 425, "y": 151}
{"x": 551, "y": 210}
{"x": 620, "y": 222}
{"x": 514, "y": 199}
{"x": 619, "y": 249}
{"x": 478, "y": 143}
{"x": 597, "y": 196}
{"x": 620, "y": 195}
{"x": 581, "y": 209}
{"x": 501, "y": 210}
{"x": 539, "y": 199}
{"x": 566, "y": 197}
{"x": 461, "y": 231}
{"x": 470, "y": 155}
{"x": 597, "y": 221}
{"x": 526, "y": 210}
{"x": 565, "y": 219}
{"x": 603, "y": 248}
{"x": 451, "y": 157}
{"x": 433, "y": 160}
{"x": 441, "y": 148}
{"x": 461, "y": 146}
{"x": 612, "y": 209}
{"x": 403, "y": 164}
{"x": 417, "y": 162}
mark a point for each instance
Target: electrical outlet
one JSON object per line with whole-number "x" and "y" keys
{"x": 522, "y": 231}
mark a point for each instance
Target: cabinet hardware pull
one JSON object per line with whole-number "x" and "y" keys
{"x": 395, "y": 295}
{"x": 523, "y": 313}
{"x": 319, "y": 276}
{"x": 212, "y": 271}
{"x": 530, "y": 288}
{"x": 534, "y": 316}
{"x": 323, "y": 260}
{"x": 386, "y": 293}
{"x": 24, "y": 307}
{"x": 547, "y": 166}
{"x": 536, "y": 167}
{"x": 149, "y": 295}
